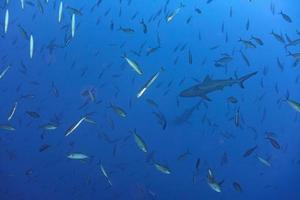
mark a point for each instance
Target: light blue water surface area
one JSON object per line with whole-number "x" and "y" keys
{"x": 149, "y": 100}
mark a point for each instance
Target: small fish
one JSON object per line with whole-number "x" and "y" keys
{"x": 140, "y": 142}
{"x": 212, "y": 182}
{"x": 237, "y": 118}
{"x": 6, "y": 21}
{"x": 126, "y": 29}
{"x": 286, "y": 17}
{"x": 273, "y": 142}
{"x": 73, "y": 24}
{"x": 44, "y": 147}
{"x": 60, "y": 11}
{"x": 33, "y": 114}
{"x": 49, "y": 126}
{"x": 247, "y": 43}
{"x": 22, "y": 4}
{"x": 118, "y": 110}
{"x": 105, "y": 174}
{"x": 12, "y": 112}
{"x": 7, "y": 127}
{"x": 278, "y": 37}
{"x": 293, "y": 43}
{"x": 294, "y": 55}
{"x": 148, "y": 84}
{"x": 162, "y": 168}
{"x": 171, "y": 16}
{"x": 257, "y": 40}
{"x": 31, "y": 46}
{"x": 237, "y": 186}
{"x": 75, "y": 126}
{"x": 249, "y": 151}
{"x": 232, "y": 100}
{"x": 134, "y": 65}
{"x": 2, "y": 74}
{"x": 77, "y": 156}
{"x": 245, "y": 58}
{"x": 295, "y": 105}
{"x": 263, "y": 161}
{"x": 184, "y": 155}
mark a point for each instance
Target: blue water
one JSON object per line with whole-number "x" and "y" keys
{"x": 69, "y": 78}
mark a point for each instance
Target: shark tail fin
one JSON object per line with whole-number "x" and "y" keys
{"x": 205, "y": 97}
{"x": 244, "y": 78}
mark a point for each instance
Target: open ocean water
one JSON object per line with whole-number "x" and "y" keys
{"x": 149, "y": 100}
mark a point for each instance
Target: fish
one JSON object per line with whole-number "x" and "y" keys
{"x": 162, "y": 168}
{"x": 118, "y": 110}
{"x": 249, "y": 151}
{"x": 12, "y": 112}
{"x": 247, "y": 43}
{"x": 7, "y": 127}
{"x": 148, "y": 84}
{"x": 187, "y": 114}
{"x": 161, "y": 119}
{"x": 77, "y": 156}
{"x": 140, "y": 142}
{"x": 126, "y": 29}
{"x": 73, "y": 24}
{"x": 286, "y": 17}
{"x": 278, "y": 37}
{"x": 134, "y": 65}
{"x": 232, "y": 100}
{"x": 212, "y": 182}
{"x": 171, "y": 16}
{"x": 22, "y": 4}
{"x": 237, "y": 186}
{"x": 31, "y": 46}
{"x": 294, "y": 104}
{"x": 145, "y": 29}
{"x": 60, "y": 9}
{"x": 257, "y": 40}
{"x": 2, "y": 74}
{"x": 6, "y": 21}
{"x": 74, "y": 126}
{"x": 209, "y": 85}
{"x": 44, "y": 147}
{"x": 273, "y": 142}
{"x": 263, "y": 161}
{"x": 33, "y": 114}
{"x": 23, "y": 32}
{"x": 237, "y": 118}
{"x": 49, "y": 126}
{"x": 293, "y": 43}
{"x": 184, "y": 155}
{"x": 294, "y": 55}
{"x": 105, "y": 174}
{"x": 245, "y": 58}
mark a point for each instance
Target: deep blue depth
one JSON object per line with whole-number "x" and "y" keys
{"x": 86, "y": 75}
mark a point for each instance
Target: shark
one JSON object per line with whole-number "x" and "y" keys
{"x": 209, "y": 85}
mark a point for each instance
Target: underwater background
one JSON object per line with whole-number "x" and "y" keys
{"x": 131, "y": 99}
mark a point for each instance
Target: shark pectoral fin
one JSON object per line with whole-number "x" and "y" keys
{"x": 241, "y": 85}
{"x": 205, "y": 97}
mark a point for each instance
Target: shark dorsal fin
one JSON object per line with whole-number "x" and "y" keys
{"x": 207, "y": 79}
